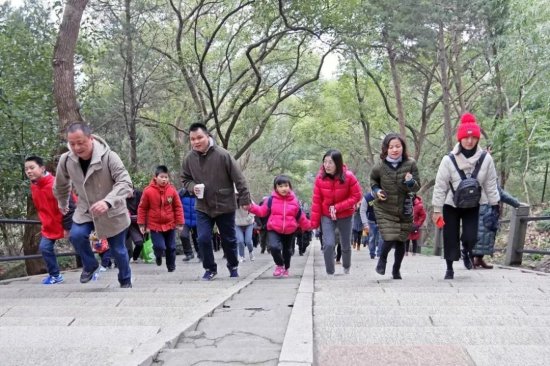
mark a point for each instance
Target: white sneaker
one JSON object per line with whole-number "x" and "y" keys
{"x": 102, "y": 269}
{"x": 243, "y": 259}
{"x": 252, "y": 256}
{"x": 346, "y": 270}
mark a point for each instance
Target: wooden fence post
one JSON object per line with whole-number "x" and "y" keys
{"x": 516, "y": 237}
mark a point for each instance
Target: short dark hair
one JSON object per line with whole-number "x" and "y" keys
{"x": 281, "y": 179}
{"x": 386, "y": 144}
{"x": 198, "y": 126}
{"x": 80, "y": 126}
{"x": 336, "y": 156}
{"x": 37, "y": 159}
{"x": 161, "y": 169}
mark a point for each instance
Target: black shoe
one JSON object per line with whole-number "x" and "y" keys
{"x": 263, "y": 251}
{"x": 158, "y": 261}
{"x": 381, "y": 267}
{"x": 86, "y": 276}
{"x": 188, "y": 258}
{"x": 126, "y": 285}
{"x": 372, "y": 256}
{"x": 467, "y": 260}
{"x": 449, "y": 275}
{"x": 396, "y": 275}
{"x": 301, "y": 254}
{"x": 171, "y": 269}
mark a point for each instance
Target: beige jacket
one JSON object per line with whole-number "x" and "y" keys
{"x": 106, "y": 180}
{"x": 243, "y": 218}
{"x": 447, "y": 173}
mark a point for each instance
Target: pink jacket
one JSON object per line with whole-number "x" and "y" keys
{"x": 283, "y": 214}
{"x": 330, "y": 192}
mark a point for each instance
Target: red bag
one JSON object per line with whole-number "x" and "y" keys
{"x": 100, "y": 246}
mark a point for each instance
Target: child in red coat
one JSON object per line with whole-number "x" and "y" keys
{"x": 285, "y": 217}
{"x": 160, "y": 212}
{"x": 54, "y": 225}
{"x": 419, "y": 218}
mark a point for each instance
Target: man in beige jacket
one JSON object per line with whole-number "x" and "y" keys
{"x": 102, "y": 184}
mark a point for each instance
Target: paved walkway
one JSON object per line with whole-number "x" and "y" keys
{"x": 483, "y": 317}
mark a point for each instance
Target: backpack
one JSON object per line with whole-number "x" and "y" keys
{"x": 468, "y": 192}
{"x": 270, "y": 203}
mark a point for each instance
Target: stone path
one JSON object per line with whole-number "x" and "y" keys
{"x": 483, "y": 317}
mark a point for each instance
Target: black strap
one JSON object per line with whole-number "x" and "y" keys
{"x": 460, "y": 171}
{"x": 478, "y": 165}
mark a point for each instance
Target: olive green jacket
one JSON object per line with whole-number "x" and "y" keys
{"x": 393, "y": 223}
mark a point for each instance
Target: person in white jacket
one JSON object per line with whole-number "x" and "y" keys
{"x": 466, "y": 153}
{"x": 244, "y": 225}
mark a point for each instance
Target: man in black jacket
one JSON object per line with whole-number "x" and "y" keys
{"x": 132, "y": 203}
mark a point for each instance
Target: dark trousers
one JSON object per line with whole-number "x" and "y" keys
{"x": 408, "y": 245}
{"x": 263, "y": 240}
{"x": 105, "y": 258}
{"x": 165, "y": 242}
{"x": 216, "y": 242}
{"x": 280, "y": 245}
{"x": 357, "y": 235}
{"x": 398, "y": 255}
{"x": 451, "y": 231}
{"x": 226, "y": 226}
{"x": 188, "y": 235}
{"x": 338, "y": 252}
{"x": 255, "y": 239}
{"x": 134, "y": 236}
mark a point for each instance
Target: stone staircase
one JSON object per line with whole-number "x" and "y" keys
{"x": 482, "y": 317}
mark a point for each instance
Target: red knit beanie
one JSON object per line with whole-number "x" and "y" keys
{"x": 468, "y": 127}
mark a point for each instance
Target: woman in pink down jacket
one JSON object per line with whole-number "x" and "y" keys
{"x": 335, "y": 194}
{"x": 285, "y": 216}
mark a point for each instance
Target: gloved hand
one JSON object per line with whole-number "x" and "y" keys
{"x": 415, "y": 228}
{"x": 496, "y": 210}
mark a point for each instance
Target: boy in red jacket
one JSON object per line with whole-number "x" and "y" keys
{"x": 159, "y": 212}
{"x": 54, "y": 225}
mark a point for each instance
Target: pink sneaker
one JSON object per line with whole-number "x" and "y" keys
{"x": 286, "y": 273}
{"x": 279, "y": 271}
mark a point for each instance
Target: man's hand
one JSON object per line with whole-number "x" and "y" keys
{"x": 64, "y": 211}
{"x": 66, "y": 234}
{"x": 197, "y": 190}
{"x": 143, "y": 229}
{"x": 246, "y": 207}
{"x": 99, "y": 208}
{"x": 179, "y": 228}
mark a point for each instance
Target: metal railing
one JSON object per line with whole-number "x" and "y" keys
{"x": 31, "y": 256}
{"x": 516, "y": 237}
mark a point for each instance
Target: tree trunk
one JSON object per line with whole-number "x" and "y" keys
{"x": 458, "y": 72}
{"x": 363, "y": 118}
{"x": 31, "y": 241}
{"x": 131, "y": 86}
{"x": 445, "y": 87}
{"x": 396, "y": 87}
{"x": 63, "y": 64}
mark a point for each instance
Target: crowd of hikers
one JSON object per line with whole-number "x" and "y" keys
{"x": 92, "y": 202}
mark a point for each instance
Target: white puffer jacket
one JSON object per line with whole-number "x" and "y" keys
{"x": 447, "y": 173}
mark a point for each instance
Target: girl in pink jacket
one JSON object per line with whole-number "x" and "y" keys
{"x": 285, "y": 216}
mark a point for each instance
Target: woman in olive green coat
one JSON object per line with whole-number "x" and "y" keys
{"x": 393, "y": 180}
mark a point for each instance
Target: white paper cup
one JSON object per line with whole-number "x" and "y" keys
{"x": 200, "y": 195}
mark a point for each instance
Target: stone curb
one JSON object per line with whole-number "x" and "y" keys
{"x": 524, "y": 270}
{"x": 145, "y": 354}
{"x": 297, "y": 347}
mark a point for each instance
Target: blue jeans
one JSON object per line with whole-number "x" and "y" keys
{"x": 226, "y": 226}
{"x": 46, "y": 248}
{"x": 374, "y": 232}
{"x": 105, "y": 258}
{"x": 244, "y": 238}
{"x": 79, "y": 237}
{"x": 165, "y": 242}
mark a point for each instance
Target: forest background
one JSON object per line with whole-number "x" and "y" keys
{"x": 278, "y": 83}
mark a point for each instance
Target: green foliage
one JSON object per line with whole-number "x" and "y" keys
{"x": 544, "y": 226}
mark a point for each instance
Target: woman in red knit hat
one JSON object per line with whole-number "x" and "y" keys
{"x": 465, "y": 180}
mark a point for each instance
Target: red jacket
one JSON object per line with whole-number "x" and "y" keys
{"x": 330, "y": 192}
{"x": 284, "y": 209}
{"x": 53, "y": 222}
{"x": 419, "y": 217}
{"x": 160, "y": 208}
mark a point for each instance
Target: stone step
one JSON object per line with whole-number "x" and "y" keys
{"x": 280, "y": 313}
{"x": 76, "y": 336}
{"x": 260, "y": 303}
{"x": 97, "y": 311}
{"x": 140, "y": 321}
{"x": 350, "y": 355}
{"x": 259, "y": 356}
{"x": 509, "y": 355}
{"x": 338, "y": 321}
{"x": 428, "y": 310}
{"x": 491, "y": 320}
{"x": 62, "y": 355}
{"x": 59, "y": 302}
{"x": 507, "y": 335}
{"x": 36, "y": 321}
